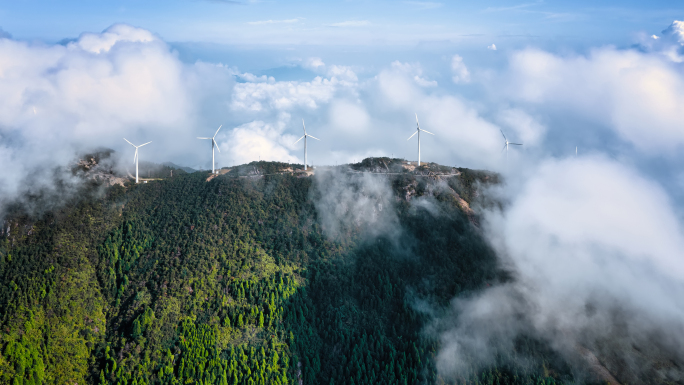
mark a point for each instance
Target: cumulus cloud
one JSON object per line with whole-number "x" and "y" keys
{"x": 414, "y": 70}
{"x": 492, "y": 47}
{"x": 461, "y": 133}
{"x": 283, "y": 96}
{"x": 259, "y": 140}
{"x": 344, "y": 73}
{"x": 675, "y": 31}
{"x": 118, "y": 33}
{"x": 351, "y": 118}
{"x": 459, "y": 69}
{"x": 314, "y": 63}
{"x": 637, "y": 95}
{"x": 526, "y": 128}
{"x": 592, "y": 245}
{"x": 60, "y": 100}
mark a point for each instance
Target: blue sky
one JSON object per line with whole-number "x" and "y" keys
{"x": 255, "y": 64}
{"x": 346, "y": 22}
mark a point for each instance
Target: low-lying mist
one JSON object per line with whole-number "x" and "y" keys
{"x": 595, "y": 254}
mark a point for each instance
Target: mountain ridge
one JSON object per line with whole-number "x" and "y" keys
{"x": 334, "y": 277}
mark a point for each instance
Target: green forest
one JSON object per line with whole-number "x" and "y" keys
{"x": 233, "y": 280}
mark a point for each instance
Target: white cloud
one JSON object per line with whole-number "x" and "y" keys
{"x": 103, "y": 42}
{"x": 416, "y": 71}
{"x": 259, "y": 140}
{"x": 314, "y": 63}
{"x": 351, "y": 118}
{"x": 104, "y": 88}
{"x": 675, "y": 31}
{"x": 638, "y": 95}
{"x": 59, "y": 101}
{"x": 461, "y": 134}
{"x": 343, "y": 73}
{"x": 492, "y": 47}
{"x": 527, "y": 129}
{"x": 586, "y": 239}
{"x": 283, "y": 96}
{"x": 459, "y": 70}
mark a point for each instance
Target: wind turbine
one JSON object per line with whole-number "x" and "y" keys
{"x": 418, "y": 130}
{"x": 304, "y": 137}
{"x": 507, "y": 143}
{"x": 135, "y": 157}
{"x": 213, "y": 144}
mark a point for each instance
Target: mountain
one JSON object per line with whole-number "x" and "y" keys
{"x": 175, "y": 166}
{"x": 264, "y": 274}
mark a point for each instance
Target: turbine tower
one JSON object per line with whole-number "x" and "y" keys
{"x": 135, "y": 157}
{"x": 304, "y": 137}
{"x": 418, "y": 130}
{"x": 213, "y": 144}
{"x": 505, "y": 147}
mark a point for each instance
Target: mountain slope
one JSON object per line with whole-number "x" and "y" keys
{"x": 270, "y": 279}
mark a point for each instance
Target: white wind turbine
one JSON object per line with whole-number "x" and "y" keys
{"x": 418, "y": 130}
{"x": 213, "y": 144}
{"x": 135, "y": 157}
{"x": 304, "y": 137}
{"x": 505, "y": 147}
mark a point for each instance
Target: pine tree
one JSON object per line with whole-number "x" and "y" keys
{"x": 137, "y": 330}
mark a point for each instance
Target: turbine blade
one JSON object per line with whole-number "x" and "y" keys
{"x": 144, "y": 144}
{"x": 135, "y": 157}
{"x": 517, "y": 144}
{"x": 219, "y": 150}
{"x": 299, "y": 139}
{"x": 312, "y": 137}
{"x": 204, "y": 138}
{"x": 303, "y": 126}
{"x": 503, "y": 134}
{"x": 217, "y": 130}
{"x": 412, "y": 135}
{"x": 427, "y": 131}
{"x": 504, "y": 147}
{"x": 129, "y": 142}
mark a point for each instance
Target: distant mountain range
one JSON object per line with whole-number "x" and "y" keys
{"x": 189, "y": 170}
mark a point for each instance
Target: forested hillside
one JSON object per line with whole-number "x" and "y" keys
{"x": 237, "y": 280}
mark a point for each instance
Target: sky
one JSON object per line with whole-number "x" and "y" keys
{"x": 594, "y": 91}
{"x": 352, "y": 22}
{"x": 296, "y": 42}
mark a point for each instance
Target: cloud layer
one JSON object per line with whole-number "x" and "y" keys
{"x": 637, "y": 95}
{"x": 588, "y": 240}
{"x": 59, "y": 100}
